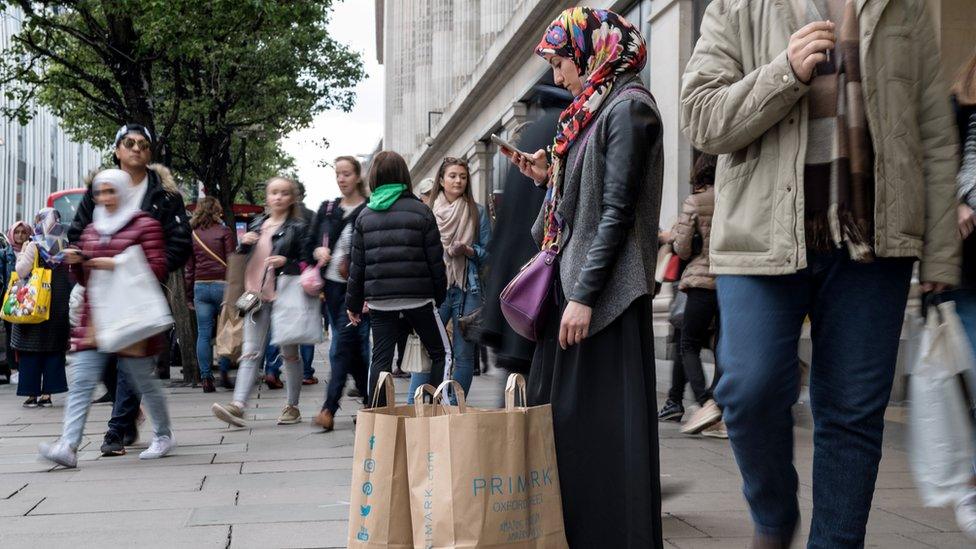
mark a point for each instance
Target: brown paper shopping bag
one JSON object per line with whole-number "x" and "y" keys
{"x": 379, "y": 504}
{"x": 484, "y": 478}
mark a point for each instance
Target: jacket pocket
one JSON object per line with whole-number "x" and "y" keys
{"x": 898, "y": 57}
{"x": 743, "y": 217}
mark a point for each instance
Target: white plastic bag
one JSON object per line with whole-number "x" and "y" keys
{"x": 127, "y": 304}
{"x": 940, "y": 434}
{"x": 296, "y": 317}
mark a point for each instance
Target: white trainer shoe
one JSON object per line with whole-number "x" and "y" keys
{"x": 160, "y": 447}
{"x": 59, "y": 452}
{"x": 705, "y": 416}
{"x": 966, "y": 513}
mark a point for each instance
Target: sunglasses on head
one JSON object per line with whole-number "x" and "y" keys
{"x": 136, "y": 144}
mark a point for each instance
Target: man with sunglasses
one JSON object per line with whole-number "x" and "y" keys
{"x": 156, "y": 191}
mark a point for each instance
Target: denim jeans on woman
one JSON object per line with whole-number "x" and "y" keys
{"x": 208, "y": 298}
{"x": 457, "y": 304}
{"x": 87, "y": 368}
{"x": 856, "y": 312}
{"x": 349, "y": 353}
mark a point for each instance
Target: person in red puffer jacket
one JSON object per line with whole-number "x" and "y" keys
{"x": 117, "y": 223}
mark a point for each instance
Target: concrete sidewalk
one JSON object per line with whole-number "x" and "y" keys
{"x": 287, "y": 486}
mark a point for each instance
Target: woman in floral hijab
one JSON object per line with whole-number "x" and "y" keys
{"x": 595, "y": 361}
{"x": 41, "y": 347}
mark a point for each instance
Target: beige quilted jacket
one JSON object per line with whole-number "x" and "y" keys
{"x": 696, "y": 217}
{"x": 741, "y": 100}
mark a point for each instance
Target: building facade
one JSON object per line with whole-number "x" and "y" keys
{"x": 38, "y": 158}
{"x": 459, "y": 70}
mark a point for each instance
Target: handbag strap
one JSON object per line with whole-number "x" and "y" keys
{"x": 208, "y": 250}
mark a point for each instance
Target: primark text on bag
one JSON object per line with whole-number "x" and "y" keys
{"x": 484, "y": 478}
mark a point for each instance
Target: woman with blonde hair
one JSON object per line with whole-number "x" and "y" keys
{"x": 274, "y": 246}
{"x": 205, "y": 275}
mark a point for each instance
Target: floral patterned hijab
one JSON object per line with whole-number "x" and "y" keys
{"x": 602, "y": 45}
{"x": 49, "y": 236}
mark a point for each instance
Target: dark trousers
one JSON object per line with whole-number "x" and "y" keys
{"x": 701, "y": 310}
{"x": 41, "y": 374}
{"x": 349, "y": 351}
{"x": 676, "y": 393}
{"x": 125, "y": 410}
{"x": 401, "y": 344}
{"x": 11, "y": 353}
{"x": 385, "y": 325}
{"x": 856, "y": 312}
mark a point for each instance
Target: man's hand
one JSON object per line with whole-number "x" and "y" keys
{"x": 967, "y": 220}
{"x": 808, "y": 47}
{"x": 575, "y": 325}
{"x": 354, "y": 318}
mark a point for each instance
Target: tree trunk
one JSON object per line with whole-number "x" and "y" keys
{"x": 186, "y": 327}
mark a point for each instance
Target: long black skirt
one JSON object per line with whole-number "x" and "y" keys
{"x": 604, "y": 405}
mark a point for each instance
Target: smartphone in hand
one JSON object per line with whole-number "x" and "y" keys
{"x": 507, "y": 146}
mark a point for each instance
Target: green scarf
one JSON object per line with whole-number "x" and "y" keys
{"x": 385, "y": 195}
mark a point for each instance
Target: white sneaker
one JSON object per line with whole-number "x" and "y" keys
{"x": 160, "y": 447}
{"x": 703, "y": 417}
{"x": 966, "y": 513}
{"x": 59, "y": 452}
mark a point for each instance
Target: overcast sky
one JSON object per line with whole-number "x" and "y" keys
{"x": 352, "y": 133}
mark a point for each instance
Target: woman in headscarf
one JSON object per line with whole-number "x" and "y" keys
{"x": 41, "y": 347}
{"x": 117, "y": 224}
{"x": 17, "y": 235}
{"x": 595, "y": 361}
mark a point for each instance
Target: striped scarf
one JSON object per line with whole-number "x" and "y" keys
{"x": 839, "y": 171}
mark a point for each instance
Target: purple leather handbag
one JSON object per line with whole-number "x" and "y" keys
{"x": 527, "y": 300}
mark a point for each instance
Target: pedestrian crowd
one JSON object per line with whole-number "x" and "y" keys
{"x": 826, "y": 178}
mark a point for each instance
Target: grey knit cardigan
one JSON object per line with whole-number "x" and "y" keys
{"x": 581, "y": 209}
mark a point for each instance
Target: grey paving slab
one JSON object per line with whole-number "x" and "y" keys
{"x": 133, "y": 502}
{"x": 310, "y": 534}
{"x": 262, "y": 513}
{"x": 296, "y": 465}
{"x": 207, "y": 537}
{"x": 288, "y": 486}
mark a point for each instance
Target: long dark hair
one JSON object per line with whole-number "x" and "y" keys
{"x": 388, "y": 167}
{"x": 703, "y": 172}
{"x": 468, "y": 195}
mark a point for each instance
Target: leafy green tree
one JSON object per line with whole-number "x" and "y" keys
{"x": 218, "y": 81}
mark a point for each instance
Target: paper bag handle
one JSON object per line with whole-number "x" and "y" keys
{"x": 385, "y": 383}
{"x": 440, "y": 396}
{"x": 515, "y": 388}
{"x": 418, "y": 398}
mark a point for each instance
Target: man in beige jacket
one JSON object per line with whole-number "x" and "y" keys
{"x": 836, "y": 173}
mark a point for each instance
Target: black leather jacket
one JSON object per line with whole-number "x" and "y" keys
{"x": 632, "y": 126}
{"x": 287, "y": 241}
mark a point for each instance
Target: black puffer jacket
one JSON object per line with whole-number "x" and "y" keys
{"x": 396, "y": 254}
{"x": 164, "y": 203}
{"x": 287, "y": 241}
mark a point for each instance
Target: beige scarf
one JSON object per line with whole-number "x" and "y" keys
{"x": 454, "y": 222}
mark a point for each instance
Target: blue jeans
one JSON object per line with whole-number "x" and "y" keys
{"x": 856, "y": 312}
{"x": 965, "y": 300}
{"x": 349, "y": 352}
{"x": 462, "y": 351}
{"x": 87, "y": 367}
{"x": 272, "y": 360}
{"x": 208, "y": 298}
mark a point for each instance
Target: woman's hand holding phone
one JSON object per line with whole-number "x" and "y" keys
{"x": 534, "y": 166}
